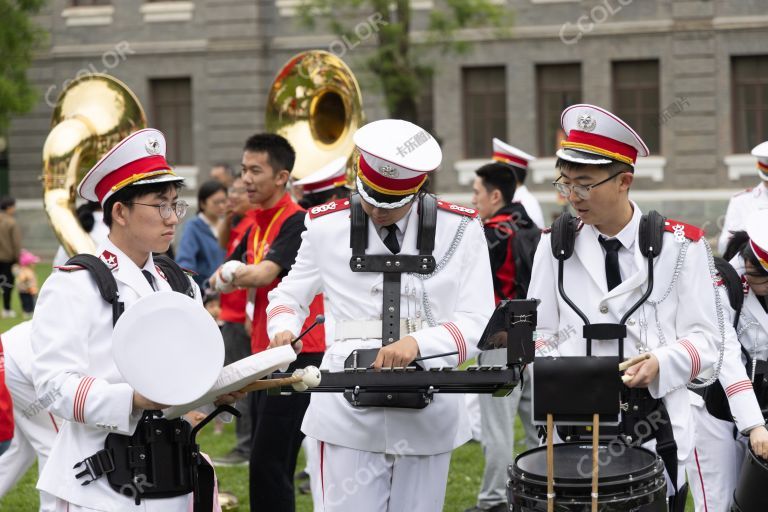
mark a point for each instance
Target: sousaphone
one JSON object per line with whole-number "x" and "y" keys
{"x": 92, "y": 114}
{"x": 315, "y": 103}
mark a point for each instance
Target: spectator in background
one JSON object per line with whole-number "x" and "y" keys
{"x": 237, "y": 341}
{"x": 199, "y": 249}
{"x": 10, "y": 247}
{"x": 26, "y": 282}
{"x": 224, "y": 173}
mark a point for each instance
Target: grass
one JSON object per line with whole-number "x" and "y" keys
{"x": 463, "y": 480}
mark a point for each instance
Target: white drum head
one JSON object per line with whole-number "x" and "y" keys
{"x": 168, "y": 348}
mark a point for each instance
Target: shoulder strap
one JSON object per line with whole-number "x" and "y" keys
{"x": 358, "y": 234}
{"x": 732, "y": 283}
{"x": 564, "y": 236}
{"x": 651, "y": 233}
{"x": 427, "y": 225}
{"x": 105, "y": 281}
{"x": 177, "y": 278}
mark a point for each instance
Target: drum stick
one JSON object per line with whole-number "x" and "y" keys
{"x": 550, "y": 464}
{"x": 319, "y": 319}
{"x": 595, "y": 464}
{"x": 271, "y": 383}
{"x": 627, "y": 378}
{"x": 633, "y": 361}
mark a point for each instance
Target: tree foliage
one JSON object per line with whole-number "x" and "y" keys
{"x": 19, "y": 37}
{"x": 399, "y": 58}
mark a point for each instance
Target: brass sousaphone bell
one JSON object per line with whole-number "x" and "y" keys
{"x": 92, "y": 114}
{"x": 315, "y": 103}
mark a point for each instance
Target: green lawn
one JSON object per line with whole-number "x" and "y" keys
{"x": 463, "y": 480}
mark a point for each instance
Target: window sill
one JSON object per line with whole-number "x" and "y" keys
{"x": 164, "y": 12}
{"x": 740, "y": 165}
{"x": 87, "y": 16}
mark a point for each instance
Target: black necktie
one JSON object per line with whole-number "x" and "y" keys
{"x": 150, "y": 280}
{"x": 391, "y": 239}
{"x": 612, "y": 272}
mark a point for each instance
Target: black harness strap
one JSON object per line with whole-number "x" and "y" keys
{"x": 105, "y": 281}
{"x": 393, "y": 266}
{"x": 177, "y": 278}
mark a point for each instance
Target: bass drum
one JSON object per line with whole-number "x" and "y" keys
{"x": 750, "y": 495}
{"x": 630, "y": 480}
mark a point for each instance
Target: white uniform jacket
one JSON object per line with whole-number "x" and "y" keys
{"x": 740, "y": 207}
{"x": 735, "y": 378}
{"x": 681, "y": 330}
{"x": 531, "y": 205}
{"x": 74, "y": 371}
{"x": 454, "y": 304}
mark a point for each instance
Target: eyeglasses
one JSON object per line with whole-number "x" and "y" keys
{"x": 165, "y": 209}
{"x": 581, "y": 191}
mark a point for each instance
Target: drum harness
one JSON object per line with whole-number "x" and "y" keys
{"x": 637, "y": 404}
{"x": 392, "y": 267}
{"x": 161, "y": 459}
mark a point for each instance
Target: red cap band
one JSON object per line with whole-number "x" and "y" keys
{"x": 506, "y": 158}
{"x": 137, "y": 167}
{"x": 606, "y": 146}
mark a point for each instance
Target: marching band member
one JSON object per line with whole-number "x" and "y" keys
{"x": 518, "y": 161}
{"x": 72, "y": 328}
{"x": 388, "y": 452}
{"x": 608, "y": 274}
{"x": 721, "y": 444}
{"x": 745, "y": 203}
{"x": 36, "y": 428}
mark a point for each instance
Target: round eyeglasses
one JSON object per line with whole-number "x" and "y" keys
{"x": 165, "y": 209}
{"x": 581, "y": 191}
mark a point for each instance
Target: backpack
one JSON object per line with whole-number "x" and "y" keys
{"x": 107, "y": 285}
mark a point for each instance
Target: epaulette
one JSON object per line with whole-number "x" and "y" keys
{"x": 745, "y": 191}
{"x": 455, "y": 208}
{"x": 69, "y": 268}
{"x": 682, "y": 230}
{"x": 548, "y": 230}
{"x": 330, "y": 207}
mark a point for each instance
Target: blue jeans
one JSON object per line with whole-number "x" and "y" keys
{"x": 4, "y": 446}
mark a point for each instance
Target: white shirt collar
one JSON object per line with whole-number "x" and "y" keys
{"x": 628, "y": 233}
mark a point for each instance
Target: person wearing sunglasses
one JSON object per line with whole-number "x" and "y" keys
{"x": 607, "y": 274}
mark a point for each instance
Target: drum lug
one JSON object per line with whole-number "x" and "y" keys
{"x": 428, "y": 396}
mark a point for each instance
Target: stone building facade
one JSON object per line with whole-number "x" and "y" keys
{"x": 690, "y": 75}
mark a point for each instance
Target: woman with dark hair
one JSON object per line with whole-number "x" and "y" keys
{"x": 199, "y": 248}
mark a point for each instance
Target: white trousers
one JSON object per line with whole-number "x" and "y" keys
{"x": 34, "y": 433}
{"x": 713, "y": 468}
{"x": 354, "y": 480}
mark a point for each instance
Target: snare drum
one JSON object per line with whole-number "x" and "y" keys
{"x": 750, "y": 495}
{"x": 630, "y": 479}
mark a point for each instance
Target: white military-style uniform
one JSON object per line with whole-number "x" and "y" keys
{"x": 531, "y": 205}
{"x": 72, "y": 341}
{"x": 714, "y": 469}
{"x": 741, "y": 206}
{"x": 678, "y": 323}
{"x": 744, "y": 204}
{"x": 35, "y": 427}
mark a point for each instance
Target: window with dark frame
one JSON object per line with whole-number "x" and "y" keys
{"x": 485, "y": 109}
{"x": 636, "y": 99}
{"x": 425, "y": 110}
{"x": 750, "y": 101}
{"x": 171, "y": 100}
{"x": 557, "y": 86}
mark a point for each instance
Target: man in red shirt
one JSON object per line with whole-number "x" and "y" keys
{"x": 263, "y": 257}
{"x": 6, "y": 408}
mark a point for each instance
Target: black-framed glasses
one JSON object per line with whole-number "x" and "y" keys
{"x": 581, "y": 191}
{"x": 165, "y": 209}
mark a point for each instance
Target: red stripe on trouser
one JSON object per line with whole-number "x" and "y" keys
{"x": 322, "y": 475}
{"x": 701, "y": 478}
{"x": 53, "y": 420}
